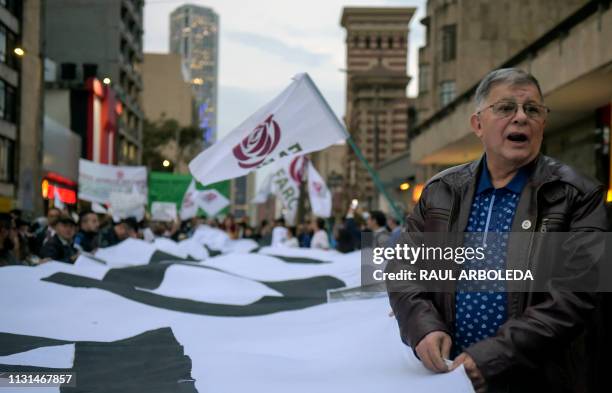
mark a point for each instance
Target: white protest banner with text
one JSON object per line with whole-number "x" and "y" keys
{"x": 98, "y": 181}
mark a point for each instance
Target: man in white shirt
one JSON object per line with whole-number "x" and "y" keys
{"x": 279, "y": 233}
{"x": 320, "y": 239}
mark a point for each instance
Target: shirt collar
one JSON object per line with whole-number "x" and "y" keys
{"x": 516, "y": 184}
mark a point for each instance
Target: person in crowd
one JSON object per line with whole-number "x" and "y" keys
{"x": 46, "y": 231}
{"x": 249, "y": 233}
{"x": 291, "y": 240}
{"x": 88, "y": 237}
{"x": 395, "y": 228}
{"x": 354, "y": 223}
{"x": 265, "y": 233}
{"x": 22, "y": 240}
{"x": 304, "y": 235}
{"x": 114, "y": 234}
{"x": 60, "y": 247}
{"x": 344, "y": 240}
{"x": 230, "y": 227}
{"x": 394, "y": 224}
{"x": 7, "y": 256}
{"x": 319, "y": 239}
{"x": 279, "y": 233}
{"x": 506, "y": 340}
{"x": 377, "y": 223}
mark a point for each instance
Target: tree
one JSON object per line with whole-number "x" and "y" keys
{"x": 159, "y": 134}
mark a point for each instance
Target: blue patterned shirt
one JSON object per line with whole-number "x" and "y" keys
{"x": 481, "y": 307}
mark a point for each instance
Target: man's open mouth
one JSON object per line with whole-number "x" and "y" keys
{"x": 517, "y": 137}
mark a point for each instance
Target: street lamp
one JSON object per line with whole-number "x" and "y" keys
{"x": 19, "y": 51}
{"x": 106, "y": 81}
{"x": 166, "y": 163}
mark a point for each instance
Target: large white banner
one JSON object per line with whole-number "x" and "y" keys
{"x": 98, "y": 181}
{"x": 296, "y": 122}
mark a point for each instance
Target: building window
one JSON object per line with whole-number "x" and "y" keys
{"x": 7, "y": 45}
{"x": 8, "y": 102}
{"x": 449, "y": 42}
{"x": 447, "y": 92}
{"x": 6, "y": 160}
{"x": 186, "y": 46}
{"x": 423, "y": 78}
{"x": 13, "y": 6}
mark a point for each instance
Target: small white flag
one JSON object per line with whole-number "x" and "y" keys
{"x": 127, "y": 204}
{"x": 320, "y": 197}
{"x": 212, "y": 202}
{"x": 296, "y": 122}
{"x": 57, "y": 201}
{"x": 163, "y": 211}
{"x": 189, "y": 208}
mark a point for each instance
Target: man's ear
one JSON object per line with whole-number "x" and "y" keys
{"x": 475, "y": 123}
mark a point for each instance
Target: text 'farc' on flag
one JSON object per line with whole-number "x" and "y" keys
{"x": 296, "y": 122}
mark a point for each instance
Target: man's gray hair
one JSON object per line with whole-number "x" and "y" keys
{"x": 512, "y": 76}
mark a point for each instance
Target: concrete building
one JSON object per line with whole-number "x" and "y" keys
{"x": 166, "y": 95}
{"x": 194, "y": 35}
{"x": 376, "y": 104}
{"x": 465, "y": 39}
{"x": 103, "y": 40}
{"x": 572, "y": 59}
{"x": 20, "y": 105}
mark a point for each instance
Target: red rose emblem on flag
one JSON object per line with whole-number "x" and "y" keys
{"x": 318, "y": 187}
{"x": 297, "y": 167}
{"x": 209, "y": 197}
{"x": 254, "y": 149}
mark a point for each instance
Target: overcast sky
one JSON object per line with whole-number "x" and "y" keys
{"x": 263, "y": 43}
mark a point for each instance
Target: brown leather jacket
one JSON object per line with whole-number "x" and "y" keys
{"x": 537, "y": 348}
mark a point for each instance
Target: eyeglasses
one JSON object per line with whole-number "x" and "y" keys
{"x": 508, "y": 108}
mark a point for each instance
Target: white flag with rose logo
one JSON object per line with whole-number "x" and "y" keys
{"x": 286, "y": 180}
{"x": 296, "y": 122}
{"x": 189, "y": 208}
{"x": 320, "y": 197}
{"x": 211, "y": 201}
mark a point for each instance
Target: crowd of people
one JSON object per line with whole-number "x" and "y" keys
{"x": 63, "y": 235}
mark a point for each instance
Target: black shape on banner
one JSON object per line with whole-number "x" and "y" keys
{"x": 297, "y": 294}
{"x": 16, "y": 343}
{"x": 142, "y": 276}
{"x": 211, "y": 252}
{"x": 161, "y": 256}
{"x": 298, "y": 259}
{"x": 153, "y": 361}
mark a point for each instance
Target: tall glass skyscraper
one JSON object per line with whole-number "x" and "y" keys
{"x": 194, "y": 34}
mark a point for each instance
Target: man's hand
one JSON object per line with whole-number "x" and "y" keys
{"x": 472, "y": 371}
{"x": 433, "y": 349}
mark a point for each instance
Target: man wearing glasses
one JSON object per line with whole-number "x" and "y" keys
{"x": 506, "y": 341}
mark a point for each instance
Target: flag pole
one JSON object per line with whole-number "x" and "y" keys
{"x": 357, "y": 151}
{"x": 376, "y": 179}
